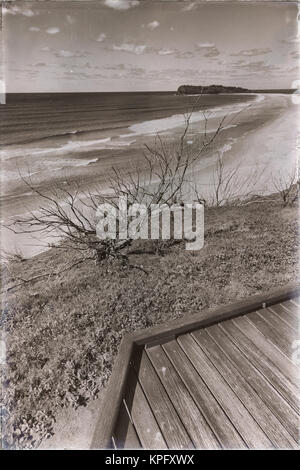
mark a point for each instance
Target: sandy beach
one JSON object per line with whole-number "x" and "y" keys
{"x": 256, "y": 137}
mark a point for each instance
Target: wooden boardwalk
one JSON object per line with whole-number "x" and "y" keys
{"x": 224, "y": 384}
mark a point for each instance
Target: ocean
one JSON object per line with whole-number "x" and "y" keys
{"x": 47, "y": 134}
{"x": 69, "y": 138}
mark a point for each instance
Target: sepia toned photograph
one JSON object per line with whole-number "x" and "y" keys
{"x": 150, "y": 294}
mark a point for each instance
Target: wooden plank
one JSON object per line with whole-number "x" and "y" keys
{"x": 279, "y": 407}
{"x": 223, "y": 428}
{"x": 278, "y": 324}
{"x": 296, "y": 301}
{"x": 166, "y": 416}
{"x": 278, "y": 370}
{"x": 125, "y": 436}
{"x": 110, "y": 406}
{"x": 292, "y": 308}
{"x": 235, "y": 410}
{"x": 204, "y": 318}
{"x": 276, "y": 332}
{"x": 286, "y": 367}
{"x": 194, "y": 422}
{"x": 286, "y": 316}
{"x": 142, "y": 416}
{"x": 267, "y": 421}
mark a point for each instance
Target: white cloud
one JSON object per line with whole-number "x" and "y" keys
{"x": 52, "y": 30}
{"x": 66, "y": 54}
{"x": 14, "y": 10}
{"x": 45, "y": 49}
{"x": 294, "y": 40}
{"x": 6, "y": 11}
{"x": 121, "y": 4}
{"x": 34, "y": 28}
{"x": 205, "y": 45}
{"x": 166, "y": 52}
{"x": 101, "y": 37}
{"x": 153, "y": 25}
{"x": 27, "y": 12}
{"x": 132, "y": 48}
{"x": 252, "y": 52}
{"x": 189, "y": 6}
{"x": 208, "y": 49}
{"x": 70, "y": 19}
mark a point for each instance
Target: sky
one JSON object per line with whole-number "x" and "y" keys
{"x": 148, "y": 45}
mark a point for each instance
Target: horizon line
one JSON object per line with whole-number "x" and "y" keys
{"x": 143, "y": 91}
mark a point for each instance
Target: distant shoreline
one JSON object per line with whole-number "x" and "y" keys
{"x": 221, "y": 89}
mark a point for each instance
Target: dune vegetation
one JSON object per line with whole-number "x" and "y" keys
{"x": 63, "y": 331}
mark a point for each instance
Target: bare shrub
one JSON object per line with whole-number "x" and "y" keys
{"x": 229, "y": 186}
{"x": 287, "y": 186}
{"x": 69, "y": 216}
